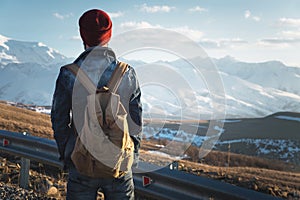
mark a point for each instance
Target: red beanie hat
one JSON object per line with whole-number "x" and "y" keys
{"x": 95, "y": 27}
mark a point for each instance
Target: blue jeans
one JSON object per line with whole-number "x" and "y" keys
{"x": 81, "y": 187}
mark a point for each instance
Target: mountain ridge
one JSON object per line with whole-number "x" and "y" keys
{"x": 14, "y": 51}
{"x": 251, "y": 89}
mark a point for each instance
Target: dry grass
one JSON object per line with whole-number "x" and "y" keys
{"x": 277, "y": 183}
{"x": 22, "y": 120}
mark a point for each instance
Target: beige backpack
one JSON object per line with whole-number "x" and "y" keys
{"x": 103, "y": 147}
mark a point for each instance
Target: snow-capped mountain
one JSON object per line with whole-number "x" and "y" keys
{"x": 28, "y": 71}
{"x": 13, "y": 51}
{"x": 271, "y": 74}
{"x": 251, "y": 89}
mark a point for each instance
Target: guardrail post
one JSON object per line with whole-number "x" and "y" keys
{"x": 24, "y": 173}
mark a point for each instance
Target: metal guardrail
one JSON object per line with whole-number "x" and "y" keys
{"x": 166, "y": 183}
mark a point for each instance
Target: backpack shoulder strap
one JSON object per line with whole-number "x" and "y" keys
{"x": 113, "y": 83}
{"x": 115, "y": 79}
{"x": 83, "y": 78}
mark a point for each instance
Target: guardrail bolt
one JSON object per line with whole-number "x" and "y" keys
{"x": 174, "y": 165}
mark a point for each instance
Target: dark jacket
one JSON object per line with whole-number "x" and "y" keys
{"x": 69, "y": 99}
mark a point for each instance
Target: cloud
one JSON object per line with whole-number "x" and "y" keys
{"x": 76, "y": 37}
{"x": 155, "y": 9}
{"x": 291, "y": 34}
{"x": 115, "y": 14}
{"x": 58, "y": 16}
{"x": 138, "y": 25}
{"x": 289, "y": 22}
{"x": 248, "y": 15}
{"x": 62, "y": 17}
{"x": 198, "y": 9}
{"x": 191, "y": 33}
{"x": 286, "y": 38}
{"x": 280, "y": 40}
{"x": 222, "y": 43}
{"x": 255, "y": 18}
{"x": 185, "y": 30}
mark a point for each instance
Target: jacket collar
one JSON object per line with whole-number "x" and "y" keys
{"x": 96, "y": 52}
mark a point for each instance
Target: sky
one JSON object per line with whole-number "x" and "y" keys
{"x": 247, "y": 30}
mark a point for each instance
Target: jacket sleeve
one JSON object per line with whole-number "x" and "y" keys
{"x": 135, "y": 119}
{"x": 135, "y": 110}
{"x": 60, "y": 112}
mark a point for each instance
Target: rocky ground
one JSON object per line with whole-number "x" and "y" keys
{"x": 41, "y": 184}
{"x": 45, "y": 182}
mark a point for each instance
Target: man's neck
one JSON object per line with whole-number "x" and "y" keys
{"x": 103, "y": 45}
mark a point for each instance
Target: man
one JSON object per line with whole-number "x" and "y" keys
{"x": 69, "y": 100}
